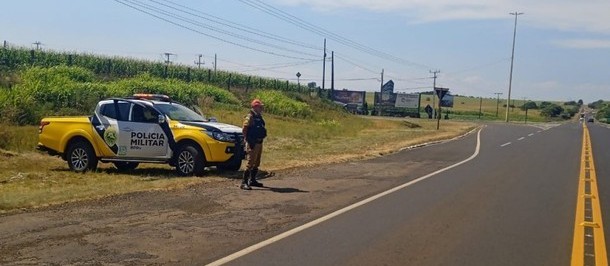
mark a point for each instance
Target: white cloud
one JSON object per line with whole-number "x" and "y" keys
{"x": 589, "y": 16}
{"x": 583, "y": 43}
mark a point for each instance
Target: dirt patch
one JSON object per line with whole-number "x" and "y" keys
{"x": 206, "y": 221}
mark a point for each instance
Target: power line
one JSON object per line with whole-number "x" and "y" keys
{"x": 233, "y": 25}
{"x": 260, "y": 5}
{"x": 355, "y": 64}
{"x": 279, "y": 66}
{"x": 208, "y": 35}
{"x": 205, "y": 26}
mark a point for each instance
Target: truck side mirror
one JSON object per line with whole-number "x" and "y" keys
{"x": 162, "y": 119}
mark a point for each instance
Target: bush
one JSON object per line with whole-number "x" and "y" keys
{"x": 529, "y": 105}
{"x": 280, "y": 104}
{"x": 597, "y": 104}
{"x": 603, "y": 113}
{"x": 545, "y": 105}
{"x": 551, "y": 110}
{"x": 74, "y": 91}
{"x": 178, "y": 90}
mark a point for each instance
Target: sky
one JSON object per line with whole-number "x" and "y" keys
{"x": 562, "y": 49}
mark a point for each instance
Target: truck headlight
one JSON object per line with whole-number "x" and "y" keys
{"x": 220, "y": 136}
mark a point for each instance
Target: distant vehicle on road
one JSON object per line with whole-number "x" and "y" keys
{"x": 590, "y": 120}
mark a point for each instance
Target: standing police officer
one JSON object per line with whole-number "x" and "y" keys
{"x": 254, "y": 133}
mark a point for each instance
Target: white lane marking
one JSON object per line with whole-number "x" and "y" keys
{"x": 506, "y": 144}
{"x": 531, "y": 134}
{"x": 521, "y": 138}
{"x": 288, "y": 233}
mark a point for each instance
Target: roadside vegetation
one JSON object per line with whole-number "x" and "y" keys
{"x": 603, "y": 110}
{"x": 304, "y": 128}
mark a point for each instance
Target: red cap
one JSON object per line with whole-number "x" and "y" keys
{"x": 256, "y": 102}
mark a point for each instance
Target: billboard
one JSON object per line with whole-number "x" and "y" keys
{"x": 349, "y": 97}
{"x": 386, "y": 93}
{"x": 407, "y": 101}
{"x": 389, "y": 99}
{"x": 447, "y": 101}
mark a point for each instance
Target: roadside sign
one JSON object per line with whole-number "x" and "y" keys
{"x": 447, "y": 100}
{"x": 441, "y": 92}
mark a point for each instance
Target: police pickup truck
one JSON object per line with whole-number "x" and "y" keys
{"x": 145, "y": 128}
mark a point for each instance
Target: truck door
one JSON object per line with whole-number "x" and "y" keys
{"x": 141, "y": 136}
{"x": 106, "y": 125}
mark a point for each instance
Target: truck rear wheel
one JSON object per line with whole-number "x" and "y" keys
{"x": 189, "y": 161}
{"x": 81, "y": 157}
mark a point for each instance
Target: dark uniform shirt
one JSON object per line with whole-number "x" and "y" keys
{"x": 254, "y": 128}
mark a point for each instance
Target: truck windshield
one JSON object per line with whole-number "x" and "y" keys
{"x": 178, "y": 112}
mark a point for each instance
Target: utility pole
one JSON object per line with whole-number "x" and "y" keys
{"x": 215, "y": 62}
{"x": 38, "y": 44}
{"x": 498, "y": 102}
{"x": 332, "y": 73}
{"x": 382, "y": 70}
{"x": 167, "y": 62}
{"x": 435, "y": 72}
{"x": 198, "y": 62}
{"x": 512, "y": 58}
{"x": 324, "y": 66}
{"x": 480, "y": 107}
{"x": 525, "y": 107}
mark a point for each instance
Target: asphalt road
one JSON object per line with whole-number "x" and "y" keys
{"x": 512, "y": 204}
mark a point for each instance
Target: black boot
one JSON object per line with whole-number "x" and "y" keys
{"x": 245, "y": 181}
{"x": 253, "y": 181}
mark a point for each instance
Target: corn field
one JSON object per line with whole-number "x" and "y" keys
{"x": 12, "y": 58}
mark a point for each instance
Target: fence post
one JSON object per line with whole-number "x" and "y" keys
{"x": 209, "y": 75}
{"x": 32, "y": 56}
{"x": 69, "y": 60}
{"x": 229, "y": 83}
{"x": 188, "y": 74}
{"x": 287, "y": 88}
{"x": 248, "y": 86}
{"x": 260, "y": 83}
{"x": 109, "y": 66}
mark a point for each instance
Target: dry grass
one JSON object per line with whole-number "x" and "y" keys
{"x": 30, "y": 179}
{"x": 384, "y": 137}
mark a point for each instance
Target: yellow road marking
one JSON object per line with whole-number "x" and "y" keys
{"x": 587, "y": 166}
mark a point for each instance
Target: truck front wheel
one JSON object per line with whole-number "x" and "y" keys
{"x": 189, "y": 161}
{"x": 81, "y": 157}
